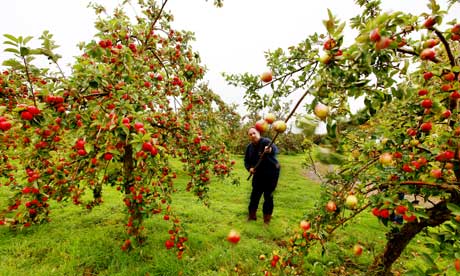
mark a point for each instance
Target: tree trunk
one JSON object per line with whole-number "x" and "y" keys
{"x": 397, "y": 241}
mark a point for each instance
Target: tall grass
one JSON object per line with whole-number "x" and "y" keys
{"x": 79, "y": 242}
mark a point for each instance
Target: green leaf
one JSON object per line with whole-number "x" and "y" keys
{"x": 10, "y": 43}
{"x": 12, "y": 50}
{"x": 428, "y": 260}
{"x": 454, "y": 208}
{"x": 10, "y": 37}
{"x": 27, "y": 39}
{"x": 456, "y": 69}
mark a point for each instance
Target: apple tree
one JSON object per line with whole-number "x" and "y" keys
{"x": 398, "y": 157}
{"x": 131, "y": 103}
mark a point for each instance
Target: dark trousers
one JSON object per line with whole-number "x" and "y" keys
{"x": 263, "y": 184}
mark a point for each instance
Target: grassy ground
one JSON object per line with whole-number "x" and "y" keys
{"x": 78, "y": 242}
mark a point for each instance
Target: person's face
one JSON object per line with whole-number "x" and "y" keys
{"x": 254, "y": 135}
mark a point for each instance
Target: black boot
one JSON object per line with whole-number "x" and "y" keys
{"x": 252, "y": 215}
{"x": 267, "y": 218}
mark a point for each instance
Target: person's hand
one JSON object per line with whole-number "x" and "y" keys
{"x": 252, "y": 170}
{"x": 268, "y": 149}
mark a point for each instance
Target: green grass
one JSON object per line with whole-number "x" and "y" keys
{"x": 78, "y": 242}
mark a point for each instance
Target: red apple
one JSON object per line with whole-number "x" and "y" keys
{"x": 426, "y": 127}
{"x": 455, "y": 29}
{"x": 447, "y": 113}
{"x": 449, "y": 76}
{"x": 430, "y": 43}
{"x": 428, "y": 54}
{"x": 279, "y": 126}
{"x": 331, "y": 206}
{"x": 427, "y": 75}
{"x": 383, "y": 43}
{"x": 423, "y": 92}
{"x": 357, "y": 250}
{"x": 429, "y": 22}
{"x": 26, "y": 115}
{"x": 457, "y": 265}
{"x": 261, "y": 126}
{"x": 329, "y": 44}
{"x": 305, "y": 225}
{"x": 108, "y": 156}
{"x": 5, "y": 125}
{"x": 427, "y": 103}
{"x": 269, "y": 118}
{"x": 374, "y": 35}
{"x": 351, "y": 201}
{"x": 147, "y": 146}
{"x": 266, "y": 76}
{"x": 436, "y": 173}
{"x": 233, "y": 236}
{"x": 321, "y": 111}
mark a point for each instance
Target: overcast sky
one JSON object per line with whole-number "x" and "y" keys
{"x": 231, "y": 39}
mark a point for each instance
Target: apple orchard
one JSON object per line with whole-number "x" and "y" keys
{"x": 134, "y": 101}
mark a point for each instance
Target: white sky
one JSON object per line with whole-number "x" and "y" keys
{"x": 231, "y": 39}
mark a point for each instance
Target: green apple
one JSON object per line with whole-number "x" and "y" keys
{"x": 279, "y": 126}
{"x": 321, "y": 111}
{"x": 351, "y": 201}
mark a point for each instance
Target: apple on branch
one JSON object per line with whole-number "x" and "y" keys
{"x": 269, "y": 118}
{"x": 261, "y": 126}
{"x": 351, "y": 201}
{"x": 279, "y": 126}
{"x": 266, "y": 76}
{"x": 321, "y": 111}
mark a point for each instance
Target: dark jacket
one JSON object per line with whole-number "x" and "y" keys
{"x": 253, "y": 153}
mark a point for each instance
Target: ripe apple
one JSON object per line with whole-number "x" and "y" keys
{"x": 374, "y": 35}
{"x": 331, "y": 206}
{"x": 357, "y": 250}
{"x": 351, "y": 201}
{"x": 279, "y": 126}
{"x": 329, "y": 44}
{"x": 269, "y": 118}
{"x": 305, "y": 225}
{"x": 447, "y": 113}
{"x": 428, "y": 54}
{"x": 383, "y": 43}
{"x": 261, "y": 125}
{"x": 422, "y": 92}
{"x": 457, "y": 265}
{"x": 266, "y": 76}
{"x": 321, "y": 111}
{"x": 449, "y": 76}
{"x": 427, "y": 103}
{"x": 233, "y": 236}
{"x": 428, "y": 75}
{"x": 455, "y": 29}
{"x": 436, "y": 173}
{"x": 147, "y": 146}
{"x": 430, "y": 43}
{"x": 429, "y": 22}
{"x": 426, "y": 127}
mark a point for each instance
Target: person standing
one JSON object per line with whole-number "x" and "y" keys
{"x": 265, "y": 175}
